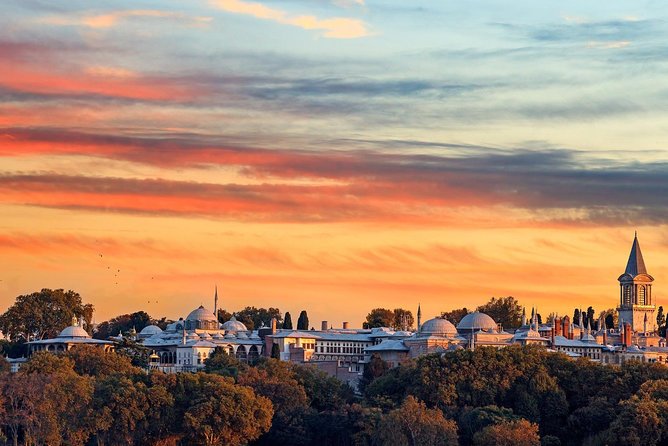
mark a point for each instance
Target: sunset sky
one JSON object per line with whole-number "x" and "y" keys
{"x": 332, "y": 155}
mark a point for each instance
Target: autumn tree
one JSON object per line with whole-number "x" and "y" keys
{"x": 413, "y": 424}
{"x": 224, "y": 364}
{"x": 504, "y": 310}
{"x": 373, "y": 369}
{"x": 43, "y": 314}
{"x": 94, "y": 361}
{"x": 511, "y": 433}
{"x": 379, "y": 317}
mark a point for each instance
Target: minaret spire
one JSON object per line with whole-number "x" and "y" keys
{"x": 419, "y": 317}
{"x": 215, "y": 303}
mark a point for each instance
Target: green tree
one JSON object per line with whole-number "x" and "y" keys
{"x": 413, "y": 424}
{"x": 220, "y": 413}
{"x": 661, "y": 322}
{"x": 94, "y": 361}
{"x": 476, "y": 419}
{"x": 576, "y": 316}
{"x": 43, "y": 314}
{"x": 275, "y": 351}
{"x": 455, "y": 316}
{"x": 221, "y": 363}
{"x": 375, "y": 368}
{"x": 224, "y": 316}
{"x": 403, "y": 319}
{"x": 287, "y": 322}
{"x": 302, "y": 322}
{"x": 589, "y": 318}
{"x": 256, "y": 317}
{"x": 379, "y": 317}
{"x": 123, "y": 324}
{"x": 324, "y": 392}
{"x": 135, "y": 351}
{"x": 504, "y": 310}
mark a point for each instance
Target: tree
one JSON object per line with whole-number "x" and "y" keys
{"x": 275, "y": 351}
{"x": 413, "y": 424}
{"x": 222, "y": 363}
{"x": 324, "y": 392}
{"x": 133, "y": 350}
{"x": 43, "y": 314}
{"x": 224, "y": 316}
{"x": 287, "y": 322}
{"x": 512, "y": 433}
{"x": 610, "y": 317}
{"x": 455, "y": 316}
{"x": 123, "y": 324}
{"x": 94, "y": 361}
{"x": 302, "y": 322}
{"x": 576, "y": 316}
{"x": 504, "y": 310}
{"x": 375, "y": 368}
{"x": 254, "y": 318}
{"x": 220, "y": 413}
{"x": 403, "y": 319}
{"x": 379, "y": 317}
{"x": 661, "y": 321}
{"x": 589, "y": 318}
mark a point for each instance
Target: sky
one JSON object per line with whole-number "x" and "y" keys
{"x": 331, "y": 155}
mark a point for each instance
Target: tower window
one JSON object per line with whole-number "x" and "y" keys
{"x": 627, "y": 295}
{"x": 641, "y": 295}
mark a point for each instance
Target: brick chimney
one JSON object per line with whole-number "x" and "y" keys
{"x": 323, "y": 326}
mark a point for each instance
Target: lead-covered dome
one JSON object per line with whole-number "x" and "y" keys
{"x": 201, "y": 318}
{"x": 476, "y": 321}
{"x": 234, "y": 325}
{"x": 149, "y": 331}
{"x": 74, "y": 331}
{"x": 438, "y": 327}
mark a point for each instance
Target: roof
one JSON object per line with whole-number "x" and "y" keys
{"x": 476, "y": 321}
{"x": 150, "y": 330}
{"x": 561, "y": 341}
{"x": 439, "y": 327}
{"x": 234, "y": 325}
{"x": 73, "y": 331}
{"x": 636, "y": 264}
{"x": 388, "y": 345}
{"x": 201, "y": 314}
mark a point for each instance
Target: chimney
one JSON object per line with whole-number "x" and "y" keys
{"x": 627, "y": 335}
{"x": 605, "y": 336}
{"x": 273, "y": 325}
{"x": 323, "y": 326}
{"x": 345, "y": 325}
{"x": 557, "y": 326}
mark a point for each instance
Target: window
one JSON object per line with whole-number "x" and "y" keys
{"x": 641, "y": 295}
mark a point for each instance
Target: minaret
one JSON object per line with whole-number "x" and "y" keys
{"x": 645, "y": 324}
{"x": 524, "y": 316}
{"x": 419, "y": 318}
{"x": 581, "y": 326}
{"x": 635, "y": 290}
{"x": 215, "y": 303}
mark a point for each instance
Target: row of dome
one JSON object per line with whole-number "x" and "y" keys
{"x": 471, "y": 322}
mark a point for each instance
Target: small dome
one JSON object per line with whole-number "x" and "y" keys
{"x": 438, "y": 327}
{"x": 73, "y": 331}
{"x": 476, "y": 321}
{"x": 150, "y": 330}
{"x": 242, "y": 335}
{"x": 201, "y": 314}
{"x": 205, "y": 335}
{"x": 234, "y": 325}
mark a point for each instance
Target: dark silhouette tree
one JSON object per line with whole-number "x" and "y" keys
{"x": 302, "y": 322}
{"x": 379, "y": 317}
{"x": 287, "y": 322}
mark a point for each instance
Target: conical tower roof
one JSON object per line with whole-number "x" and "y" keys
{"x": 636, "y": 264}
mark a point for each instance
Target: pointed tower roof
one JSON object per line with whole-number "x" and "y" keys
{"x": 636, "y": 264}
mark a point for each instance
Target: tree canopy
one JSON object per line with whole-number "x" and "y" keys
{"x": 504, "y": 310}
{"x": 43, "y": 314}
{"x": 379, "y": 317}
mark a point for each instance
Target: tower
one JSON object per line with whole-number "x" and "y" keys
{"x": 419, "y": 318}
{"x": 635, "y": 291}
{"x": 215, "y": 303}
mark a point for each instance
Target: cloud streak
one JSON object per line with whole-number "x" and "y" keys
{"x": 335, "y": 27}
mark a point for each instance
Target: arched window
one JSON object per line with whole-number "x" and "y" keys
{"x": 626, "y": 300}
{"x": 641, "y": 295}
{"x": 241, "y": 353}
{"x": 253, "y": 354}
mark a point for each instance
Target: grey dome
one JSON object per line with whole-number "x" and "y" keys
{"x": 201, "y": 314}
{"x": 74, "y": 331}
{"x": 150, "y": 330}
{"x": 438, "y": 327}
{"x": 234, "y": 325}
{"x": 476, "y": 321}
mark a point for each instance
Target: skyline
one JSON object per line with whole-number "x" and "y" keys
{"x": 333, "y": 156}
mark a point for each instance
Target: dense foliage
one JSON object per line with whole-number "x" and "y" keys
{"x": 510, "y": 396}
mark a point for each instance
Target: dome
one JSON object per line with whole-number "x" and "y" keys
{"x": 73, "y": 331}
{"x": 438, "y": 327}
{"x": 150, "y": 330}
{"x": 201, "y": 314}
{"x": 234, "y": 325}
{"x": 476, "y": 321}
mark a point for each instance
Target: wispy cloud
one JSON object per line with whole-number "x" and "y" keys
{"x": 111, "y": 19}
{"x": 335, "y": 27}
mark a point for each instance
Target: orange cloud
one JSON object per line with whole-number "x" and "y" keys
{"x": 111, "y": 19}
{"x": 335, "y": 28}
